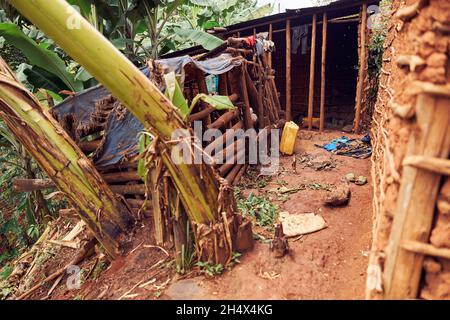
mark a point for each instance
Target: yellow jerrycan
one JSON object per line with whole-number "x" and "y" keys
{"x": 288, "y": 138}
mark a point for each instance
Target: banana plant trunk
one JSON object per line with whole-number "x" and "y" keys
{"x": 71, "y": 171}
{"x": 197, "y": 184}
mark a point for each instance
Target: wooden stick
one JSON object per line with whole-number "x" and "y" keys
{"x": 224, "y": 119}
{"x": 115, "y": 177}
{"x": 202, "y": 87}
{"x": 312, "y": 73}
{"x": 245, "y": 99}
{"x": 89, "y": 146}
{"x": 223, "y": 85}
{"x": 436, "y": 165}
{"x": 134, "y": 189}
{"x": 221, "y": 156}
{"x": 426, "y": 249}
{"x": 240, "y": 174}
{"x": 288, "y": 71}
{"x": 87, "y": 248}
{"x": 269, "y": 60}
{"x": 226, "y": 167}
{"x": 202, "y": 114}
{"x": 324, "y": 66}
{"x": 233, "y": 173}
{"x": 254, "y": 96}
{"x": 30, "y": 185}
{"x": 225, "y": 139}
{"x": 362, "y": 67}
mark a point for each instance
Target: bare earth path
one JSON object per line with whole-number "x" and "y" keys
{"x": 329, "y": 264}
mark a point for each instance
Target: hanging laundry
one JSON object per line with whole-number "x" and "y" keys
{"x": 300, "y": 39}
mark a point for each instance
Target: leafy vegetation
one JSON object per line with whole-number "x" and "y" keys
{"x": 257, "y": 208}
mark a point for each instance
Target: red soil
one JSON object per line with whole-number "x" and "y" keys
{"x": 329, "y": 264}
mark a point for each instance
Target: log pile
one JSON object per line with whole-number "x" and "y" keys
{"x": 250, "y": 87}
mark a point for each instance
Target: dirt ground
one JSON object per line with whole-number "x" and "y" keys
{"x": 329, "y": 264}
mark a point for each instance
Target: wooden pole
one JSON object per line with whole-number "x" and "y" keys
{"x": 362, "y": 67}
{"x": 323, "y": 76}
{"x": 416, "y": 204}
{"x": 270, "y": 53}
{"x": 288, "y": 71}
{"x": 312, "y": 72}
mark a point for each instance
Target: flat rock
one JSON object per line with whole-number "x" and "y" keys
{"x": 299, "y": 224}
{"x": 339, "y": 196}
{"x": 185, "y": 290}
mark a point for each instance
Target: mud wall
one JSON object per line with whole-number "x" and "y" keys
{"x": 415, "y": 50}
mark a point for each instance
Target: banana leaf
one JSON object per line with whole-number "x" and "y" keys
{"x": 175, "y": 93}
{"x": 206, "y": 40}
{"x": 38, "y": 55}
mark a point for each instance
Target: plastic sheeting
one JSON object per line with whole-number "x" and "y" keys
{"x": 122, "y": 128}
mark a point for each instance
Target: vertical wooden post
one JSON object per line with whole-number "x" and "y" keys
{"x": 324, "y": 65}
{"x": 203, "y": 88}
{"x": 362, "y": 67}
{"x": 416, "y": 204}
{"x": 312, "y": 72}
{"x": 270, "y": 53}
{"x": 245, "y": 99}
{"x": 288, "y": 71}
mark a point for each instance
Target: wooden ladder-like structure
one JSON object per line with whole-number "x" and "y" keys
{"x": 425, "y": 164}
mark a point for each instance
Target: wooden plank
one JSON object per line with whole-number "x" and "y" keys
{"x": 312, "y": 73}
{"x": 362, "y": 68}
{"x": 416, "y": 204}
{"x": 323, "y": 76}
{"x": 288, "y": 71}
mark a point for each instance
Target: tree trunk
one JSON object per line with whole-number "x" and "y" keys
{"x": 71, "y": 171}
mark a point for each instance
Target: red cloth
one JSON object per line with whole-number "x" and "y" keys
{"x": 250, "y": 42}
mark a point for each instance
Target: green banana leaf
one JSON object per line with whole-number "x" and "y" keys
{"x": 38, "y": 55}
{"x": 206, "y": 40}
{"x": 175, "y": 93}
{"x": 218, "y": 102}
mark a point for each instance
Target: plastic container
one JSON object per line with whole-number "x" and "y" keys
{"x": 288, "y": 138}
